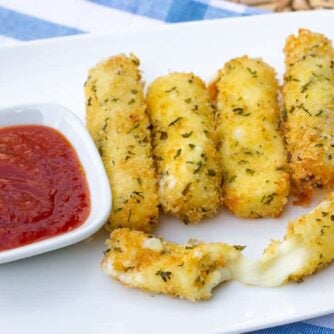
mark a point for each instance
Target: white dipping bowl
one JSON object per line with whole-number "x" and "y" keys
{"x": 58, "y": 117}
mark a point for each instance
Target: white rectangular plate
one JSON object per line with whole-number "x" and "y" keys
{"x": 65, "y": 291}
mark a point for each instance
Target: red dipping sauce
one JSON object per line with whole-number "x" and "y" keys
{"x": 43, "y": 188}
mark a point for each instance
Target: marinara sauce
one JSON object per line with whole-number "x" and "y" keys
{"x": 43, "y": 188}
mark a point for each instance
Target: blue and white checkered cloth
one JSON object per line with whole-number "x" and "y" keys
{"x": 23, "y": 20}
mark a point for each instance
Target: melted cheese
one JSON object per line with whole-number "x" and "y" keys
{"x": 271, "y": 271}
{"x": 308, "y": 246}
{"x": 192, "y": 270}
{"x": 153, "y": 243}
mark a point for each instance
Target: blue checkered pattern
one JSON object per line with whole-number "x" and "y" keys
{"x": 22, "y": 21}
{"x": 21, "y": 25}
{"x": 173, "y": 11}
{"x": 25, "y": 27}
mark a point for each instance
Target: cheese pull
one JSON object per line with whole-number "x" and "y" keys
{"x": 308, "y": 246}
{"x": 192, "y": 270}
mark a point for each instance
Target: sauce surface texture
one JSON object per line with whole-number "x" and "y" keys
{"x": 43, "y": 188}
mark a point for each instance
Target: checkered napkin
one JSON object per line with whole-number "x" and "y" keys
{"x": 23, "y": 20}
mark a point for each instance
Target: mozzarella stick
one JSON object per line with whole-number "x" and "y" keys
{"x": 309, "y": 242}
{"x": 315, "y": 234}
{"x": 119, "y": 125}
{"x": 149, "y": 263}
{"x": 308, "y": 247}
{"x": 309, "y": 103}
{"x": 184, "y": 146}
{"x": 192, "y": 270}
{"x": 252, "y": 154}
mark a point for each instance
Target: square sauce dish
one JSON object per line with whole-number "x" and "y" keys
{"x": 96, "y": 200}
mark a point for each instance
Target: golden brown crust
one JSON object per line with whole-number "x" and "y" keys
{"x": 119, "y": 125}
{"x": 185, "y": 146}
{"x": 313, "y": 233}
{"x": 252, "y": 154}
{"x": 149, "y": 263}
{"x": 309, "y": 103}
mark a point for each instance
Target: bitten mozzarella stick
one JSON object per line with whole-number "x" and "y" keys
{"x": 119, "y": 125}
{"x": 184, "y": 146}
{"x": 256, "y": 181}
{"x": 313, "y": 235}
{"x": 309, "y": 103}
{"x": 308, "y": 247}
{"x": 192, "y": 270}
{"x": 187, "y": 271}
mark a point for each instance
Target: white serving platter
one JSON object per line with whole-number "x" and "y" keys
{"x": 65, "y": 291}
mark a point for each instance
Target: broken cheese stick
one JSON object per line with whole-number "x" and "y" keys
{"x": 149, "y": 263}
{"x": 308, "y": 246}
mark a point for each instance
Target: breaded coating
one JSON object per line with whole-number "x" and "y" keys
{"x": 252, "y": 153}
{"x": 119, "y": 125}
{"x": 314, "y": 234}
{"x": 187, "y": 271}
{"x": 184, "y": 144}
{"x": 309, "y": 103}
{"x": 308, "y": 246}
{"x": 191, "y": 271}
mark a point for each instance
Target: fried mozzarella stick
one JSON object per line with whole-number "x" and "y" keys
{"x": 256, "y": 182}
{"x": 119, "y": 125}
{"x": 308, "y": 246}
{"x": 309, "y": 103}
{"x": 184, "y": 146}
{"x": 187, "y": 271}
